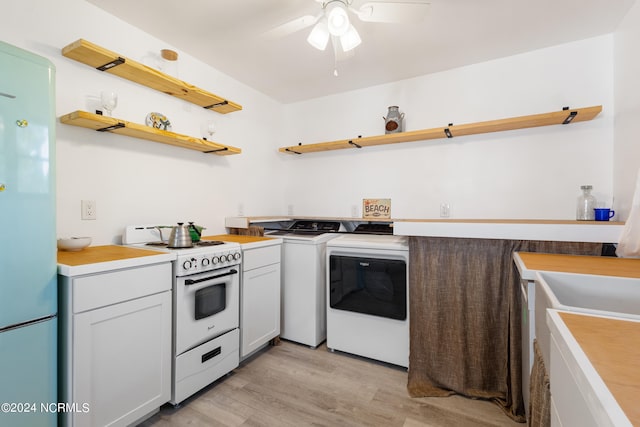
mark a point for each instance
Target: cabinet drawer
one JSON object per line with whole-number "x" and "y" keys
{"x": 206, "y": 363}
{"x": 259, "y": 257}
{"x": 104, "y": 289}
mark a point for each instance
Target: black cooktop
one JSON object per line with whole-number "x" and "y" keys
{"x": 315, "y": 228}
{"x": 309, "y": 228}
{"x": 307, "y": 225}
{"x": 385, "y": 228}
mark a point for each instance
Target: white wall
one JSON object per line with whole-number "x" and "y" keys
{"x": 627, "y": 106}
{"x": 137, "y": 181}
{"x": 533, "y": 173}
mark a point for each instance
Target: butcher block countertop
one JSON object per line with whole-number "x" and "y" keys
{"x": 529, "y": 262}
{"x": 611, "y": 369}
{"x": 612, "y": 347}
{"x": 96, "y": 259}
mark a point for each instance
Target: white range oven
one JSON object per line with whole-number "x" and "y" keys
{"x": 206, "y": 309}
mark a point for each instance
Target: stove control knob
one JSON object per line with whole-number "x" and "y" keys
{"x": 215, "y": 260}
{"x": 205, "y": 262}
{"x": 223, "y": 258}
{"x": 236, "y": 256}
{"x": 187, "y": 264}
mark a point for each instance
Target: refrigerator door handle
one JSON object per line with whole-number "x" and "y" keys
{"x": 27, "y": 323}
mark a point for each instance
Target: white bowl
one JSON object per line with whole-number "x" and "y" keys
{"x": 74, "y": 243}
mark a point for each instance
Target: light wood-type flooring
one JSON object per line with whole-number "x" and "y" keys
{"x": 293, "y": 385}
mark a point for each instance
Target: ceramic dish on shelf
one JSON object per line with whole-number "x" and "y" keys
{"x": 74, "y": 243}
{"x": 158, "y": 121}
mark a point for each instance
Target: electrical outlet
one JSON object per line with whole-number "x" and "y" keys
{"x": 289, "y": 209}
{"x": 240, "y": 209}
{"x": 88, "y": 209}
{"x": 445, "y": 210}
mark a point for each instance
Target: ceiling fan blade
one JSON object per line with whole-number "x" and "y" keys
{"x": 397, "y": 13}
{"x": 291, "y": 27}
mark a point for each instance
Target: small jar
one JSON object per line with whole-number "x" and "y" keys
{"x": 586, "y": 205}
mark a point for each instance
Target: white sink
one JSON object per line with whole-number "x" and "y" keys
{"x": 585, "y": 293}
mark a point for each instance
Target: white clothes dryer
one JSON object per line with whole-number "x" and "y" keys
{"x": 368, "y": 296}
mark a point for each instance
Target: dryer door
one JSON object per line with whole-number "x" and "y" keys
{"x": 374, "y": 286}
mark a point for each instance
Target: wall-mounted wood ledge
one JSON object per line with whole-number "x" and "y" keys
{"x": 113, "y": 125}
{"x": 452, "y": 131}
{"x": 111, "y": 62}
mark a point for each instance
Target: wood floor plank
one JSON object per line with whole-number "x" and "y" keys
{"x": 294, "y": 385}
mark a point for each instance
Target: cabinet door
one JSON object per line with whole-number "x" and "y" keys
{"x": 260, "y": 311}
{"x": 122, "y": 360}
{"x": 571, "y": 405}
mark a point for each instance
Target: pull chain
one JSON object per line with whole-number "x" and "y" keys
{"x": 335, "y": 57}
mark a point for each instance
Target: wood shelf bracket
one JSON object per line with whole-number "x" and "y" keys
{"x": 216, "y": 105}
{"x": 570, "y": 117}
{"x": 112, "y": 127}
{"x": 109, "y": 65}
{"x": 447, "y": 131}
{"x": 292, "y": 151}
{"x": 217, "y": 150}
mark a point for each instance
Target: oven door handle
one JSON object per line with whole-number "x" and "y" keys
{"x": 204, "y": 279}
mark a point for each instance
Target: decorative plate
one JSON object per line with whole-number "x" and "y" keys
{"x": 158, "y": 121}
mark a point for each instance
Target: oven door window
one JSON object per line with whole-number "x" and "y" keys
{"x": 210, "y": 300}
{"x": 369, "y": 285}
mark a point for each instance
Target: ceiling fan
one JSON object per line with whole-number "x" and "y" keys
{"x": 332, "y": 22}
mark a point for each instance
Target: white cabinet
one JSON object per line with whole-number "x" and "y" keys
{"x": 568, "y": 403}
{"x": 527, "y": 325}
{"x": 580, "y": 396}
{"x": 115, "y": 345}
{"x": 260, "y": 297}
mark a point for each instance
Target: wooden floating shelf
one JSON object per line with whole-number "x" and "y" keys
{"x": 113, "y": 63}
{"x": 522, "y": 122}
{"x": 122, "y": 127}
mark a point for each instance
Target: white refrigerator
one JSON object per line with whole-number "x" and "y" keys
{"x": 28, "y": 280}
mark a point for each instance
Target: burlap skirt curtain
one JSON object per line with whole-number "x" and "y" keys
{"x": 540, "y": 404}
{"x": 465, "y": 315}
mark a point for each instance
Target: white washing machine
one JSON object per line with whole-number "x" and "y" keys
{"x": 303, "y": 312}
{"x": 368, "y": 296}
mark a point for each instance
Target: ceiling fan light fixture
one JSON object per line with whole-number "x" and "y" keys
{"x": 350, "y": 39}
{"x": 319, "y": 35}
{"x": 337, "y": 18}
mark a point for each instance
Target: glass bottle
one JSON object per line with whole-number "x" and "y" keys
{"x": 586, "y": 205}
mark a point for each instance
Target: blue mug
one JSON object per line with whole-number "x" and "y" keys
{"x": 604, "y": 214}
